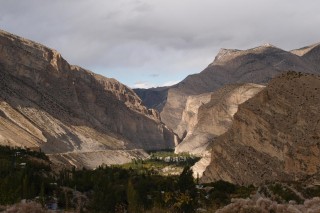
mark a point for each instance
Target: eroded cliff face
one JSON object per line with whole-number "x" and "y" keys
{"x": 60, "y": 108}
{"x": 275, "y": 135}
{"x": 209, "y": 115}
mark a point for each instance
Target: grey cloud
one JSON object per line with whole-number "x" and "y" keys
{"x": 159, "y": 36}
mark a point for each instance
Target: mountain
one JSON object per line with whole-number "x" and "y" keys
{"x": 153, "y": 98}
{"x": 275, "y": 136}
{"x": 209, "y": 115}
{"x": 310, "y": 53}
{"x": 69, "y": 112}
{"x": 257, "y": 65}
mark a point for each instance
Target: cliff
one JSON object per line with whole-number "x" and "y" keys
{"x": 49, "y": 104}
{"x": 274, "y": 136}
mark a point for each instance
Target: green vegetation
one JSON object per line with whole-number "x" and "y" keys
{"x": 22, "y": 174}
{"x": 134, "y": 187}
{"x": 162, "y": 163}
{"x": 283, "y": 192}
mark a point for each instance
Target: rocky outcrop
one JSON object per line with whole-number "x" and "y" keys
{"x": 257, "y": 65}
{"x": 60, "y": 108}
{"x": 209, "y": 115}
{"x": 275, "y": 135}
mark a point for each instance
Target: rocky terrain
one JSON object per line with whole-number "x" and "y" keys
{"x": 153, "y": 98}
{"x": 274, "y": 136}
{"x": 209, "y": 115}
{"x": 69, "y": 112}
{"x": 310, "y": 53}
{"x": 201, "y": 107}
{"x": 257, "y": 65}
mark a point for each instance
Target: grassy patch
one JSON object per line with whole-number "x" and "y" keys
{"x": 163, "y": 163}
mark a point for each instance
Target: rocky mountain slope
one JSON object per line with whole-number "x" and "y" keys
{"x": 209, "y": 115}
{"x": 310, "y": 53}
{"x": 256, "y": 65}
{"x": 153, "y": 98}
{"x": 275, "y": 135}
{"x": 49, "y": 104}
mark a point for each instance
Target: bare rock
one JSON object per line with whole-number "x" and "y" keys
{"x": 47, "y": 103}
{"x": 209, "y": 115}
{"x": 274, "y": 136}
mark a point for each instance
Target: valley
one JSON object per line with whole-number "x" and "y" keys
{"x": 242, "y": 135}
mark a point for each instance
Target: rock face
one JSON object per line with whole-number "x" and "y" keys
{"x": 154, "y": 97}
{"x": 257, "y": 65}
{"x": 310, "y": 53}
{"x": 275, "y": 135}
{"x": 60, "y": 108}
{"x": 209, "y": 115}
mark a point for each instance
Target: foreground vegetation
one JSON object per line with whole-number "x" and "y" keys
{"x": 134, "y": 187}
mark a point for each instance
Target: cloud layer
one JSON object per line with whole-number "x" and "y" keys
{"x": 158, "y": 41}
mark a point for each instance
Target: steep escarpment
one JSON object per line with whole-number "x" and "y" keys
{"x": 209, "y": 115}
{"x": 60, "y": 108}
{"x": 275, "y": 135}
{"x": 257, "y": 65}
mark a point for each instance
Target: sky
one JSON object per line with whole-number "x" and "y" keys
{"x": 149, "y": 43}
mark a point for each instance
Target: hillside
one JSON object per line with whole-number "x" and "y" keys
{"x": 274, "y": 136}
{"x": 48, "y": 104}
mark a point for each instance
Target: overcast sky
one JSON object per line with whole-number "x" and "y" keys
{"x": 145, "y": 43}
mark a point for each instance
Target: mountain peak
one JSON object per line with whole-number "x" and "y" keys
{"x": 267, "y": 45}
{"x": 304, "y": 50}
{"x": 223, "y": 53}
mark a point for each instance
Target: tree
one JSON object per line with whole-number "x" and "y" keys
{"x": 25, "y": 184}
{"x": 42, "y": 194}
{"x": 185, "y": 200}
{"x": 185, "y": 181}
{"x": 132, "y": 198}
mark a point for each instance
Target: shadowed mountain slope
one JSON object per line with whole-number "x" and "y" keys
{"x": 47, "y": 103}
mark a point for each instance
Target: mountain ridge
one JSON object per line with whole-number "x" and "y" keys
{"x": 274, "y": 136}
{"x": 63, "y": 108}
{"x": 256, "y": 65}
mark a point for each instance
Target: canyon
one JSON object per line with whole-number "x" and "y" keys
{"x": 251, "y": 115}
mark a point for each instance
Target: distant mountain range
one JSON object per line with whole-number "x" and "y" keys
{"x": 200, "y": 109}
{"x": 257, "y": 65}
